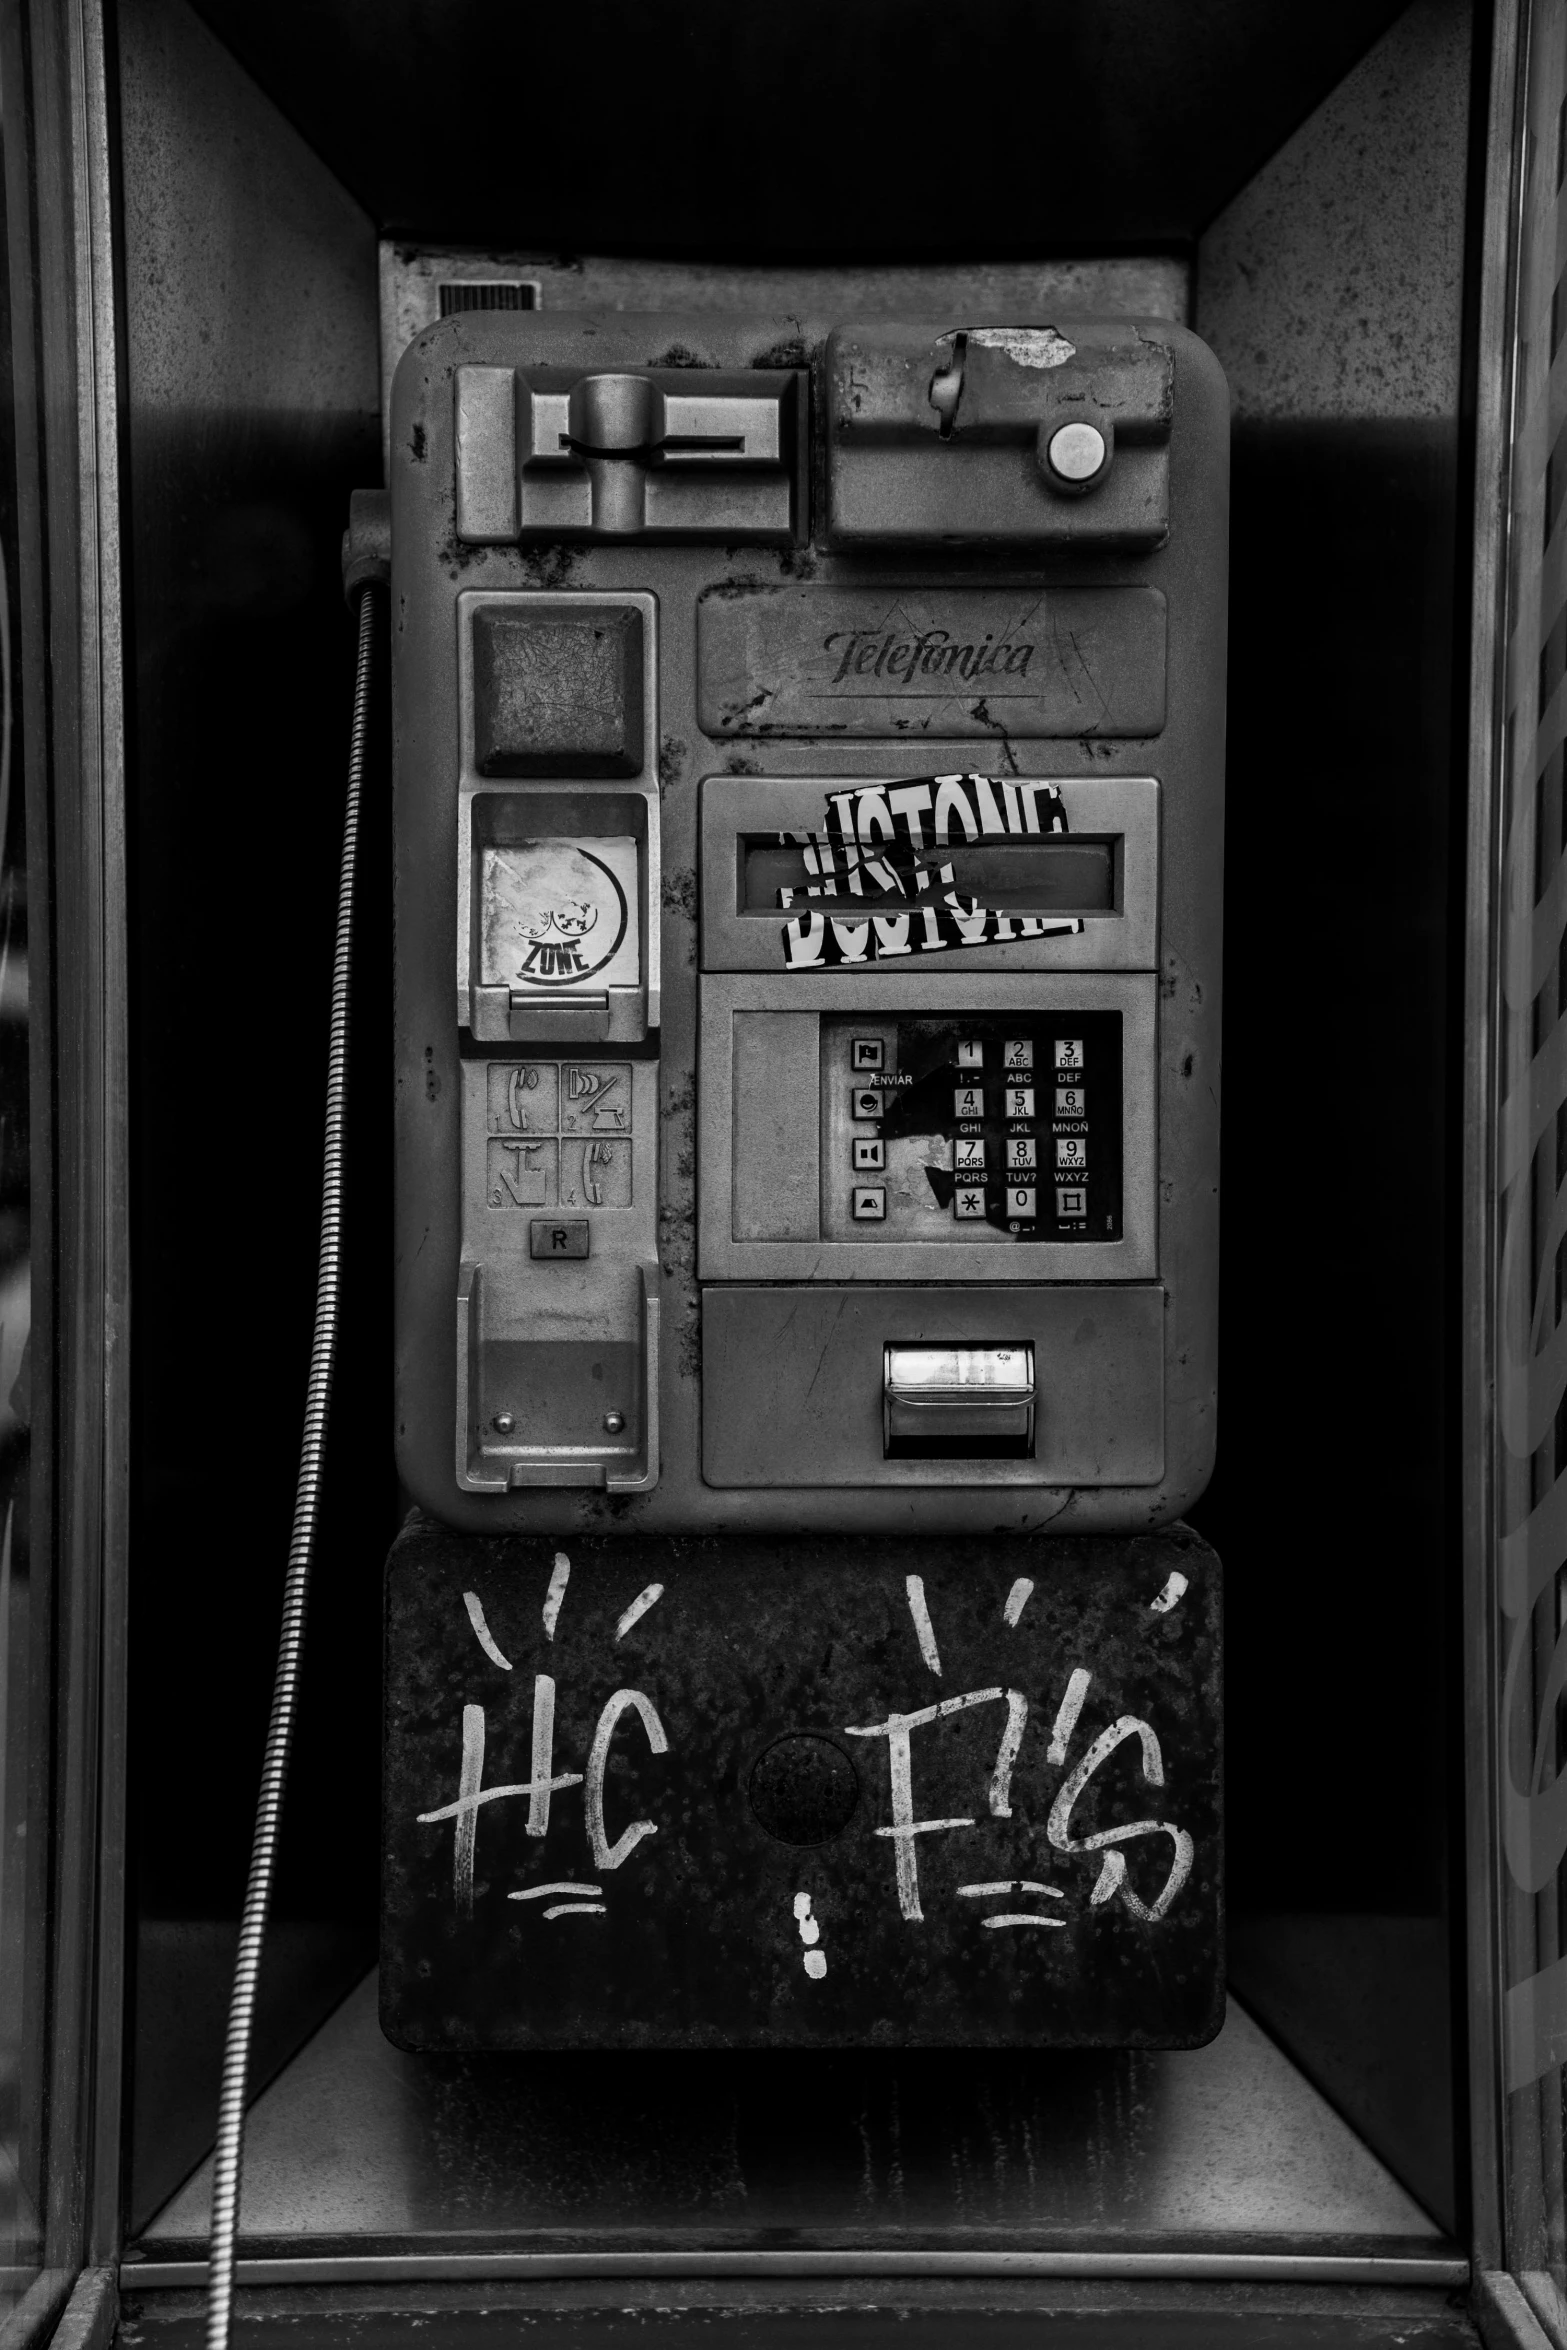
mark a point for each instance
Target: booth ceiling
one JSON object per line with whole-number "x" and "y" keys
{"x": 798, "y": 129}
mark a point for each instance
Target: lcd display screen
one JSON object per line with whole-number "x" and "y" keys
{"x": 1054, "y": 874}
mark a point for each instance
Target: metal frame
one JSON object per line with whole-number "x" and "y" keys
{"x": 63, "y": 280}
{"x": 1435, "y": 2271}
{"x": 1494, "y": 422}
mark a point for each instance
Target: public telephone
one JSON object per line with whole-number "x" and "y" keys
{"x": 808, "y": 816}
{"x": 808, "y": 744}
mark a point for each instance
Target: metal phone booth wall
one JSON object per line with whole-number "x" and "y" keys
{"x": 912, "y": 1712}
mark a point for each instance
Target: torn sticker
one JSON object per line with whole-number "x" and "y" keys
{"x": 1030, "y": 346}
{"x": 877, "y": 842}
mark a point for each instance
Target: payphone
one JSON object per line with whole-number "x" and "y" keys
{"x": 808, "y": 745}
{"x": 808, "y": 818}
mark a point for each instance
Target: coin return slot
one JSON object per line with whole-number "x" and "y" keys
{"x": 958, "y": 1402}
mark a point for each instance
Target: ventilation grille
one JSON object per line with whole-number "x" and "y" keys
{"x": 488, "y": 293}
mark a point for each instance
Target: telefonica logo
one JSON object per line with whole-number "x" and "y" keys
{"x": 934, "y": 652}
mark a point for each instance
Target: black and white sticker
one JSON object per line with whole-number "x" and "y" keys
{"x": 879, "y": 840}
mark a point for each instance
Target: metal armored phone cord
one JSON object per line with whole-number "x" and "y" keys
{"x": 258, "y": 1891}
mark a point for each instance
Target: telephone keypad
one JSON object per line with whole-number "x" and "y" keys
{"x": 961, "y": 1130}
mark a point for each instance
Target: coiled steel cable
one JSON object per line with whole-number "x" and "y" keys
{"x": 228, "y": 2156}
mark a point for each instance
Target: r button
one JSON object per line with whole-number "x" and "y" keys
{"x": 558, "y": 1236}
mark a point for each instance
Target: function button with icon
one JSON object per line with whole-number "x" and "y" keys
{"x": 870, "y": 1203}
{"x": 867, "y": 1102}
{"x": 866, "y": 1052}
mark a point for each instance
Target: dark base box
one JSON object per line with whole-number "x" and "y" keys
{"x": 801, "y": 1793}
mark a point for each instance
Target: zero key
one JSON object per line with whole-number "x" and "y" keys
{"x": 558, "y": 1236}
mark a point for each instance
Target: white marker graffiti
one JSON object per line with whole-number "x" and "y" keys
{"x": 638, "y": 1608}
{"x": 560, "y": 1574}
{"x": 1023, "y": 1917}
{"x": 1017, "y": 1600}
{"x": 471, "y": 1791}
{"x": 810, "y": 1934}
{"x": 1066, "y": 1719}
{"x": 564, "y": 1909}
{"x": 1006, "y": 1755}
{"x": 470, "y": 1600}
{"x": 897, "y": 1730}
{"x": 924, "y": 1630}
{"x": 605, "y": 1854}
{"x": 1112, "y": 1876}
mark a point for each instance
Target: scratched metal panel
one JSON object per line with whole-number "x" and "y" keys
{"x": 996, "y": 1765}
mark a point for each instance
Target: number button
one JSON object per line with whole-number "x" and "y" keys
{"x": 1020, "y": 1101}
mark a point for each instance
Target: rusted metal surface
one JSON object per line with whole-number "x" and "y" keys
{"x": 558, "y": 694}
{"x": 647, "y": 1793}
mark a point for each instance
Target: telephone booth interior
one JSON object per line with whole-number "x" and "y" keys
{"x": 299, "y": 192}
